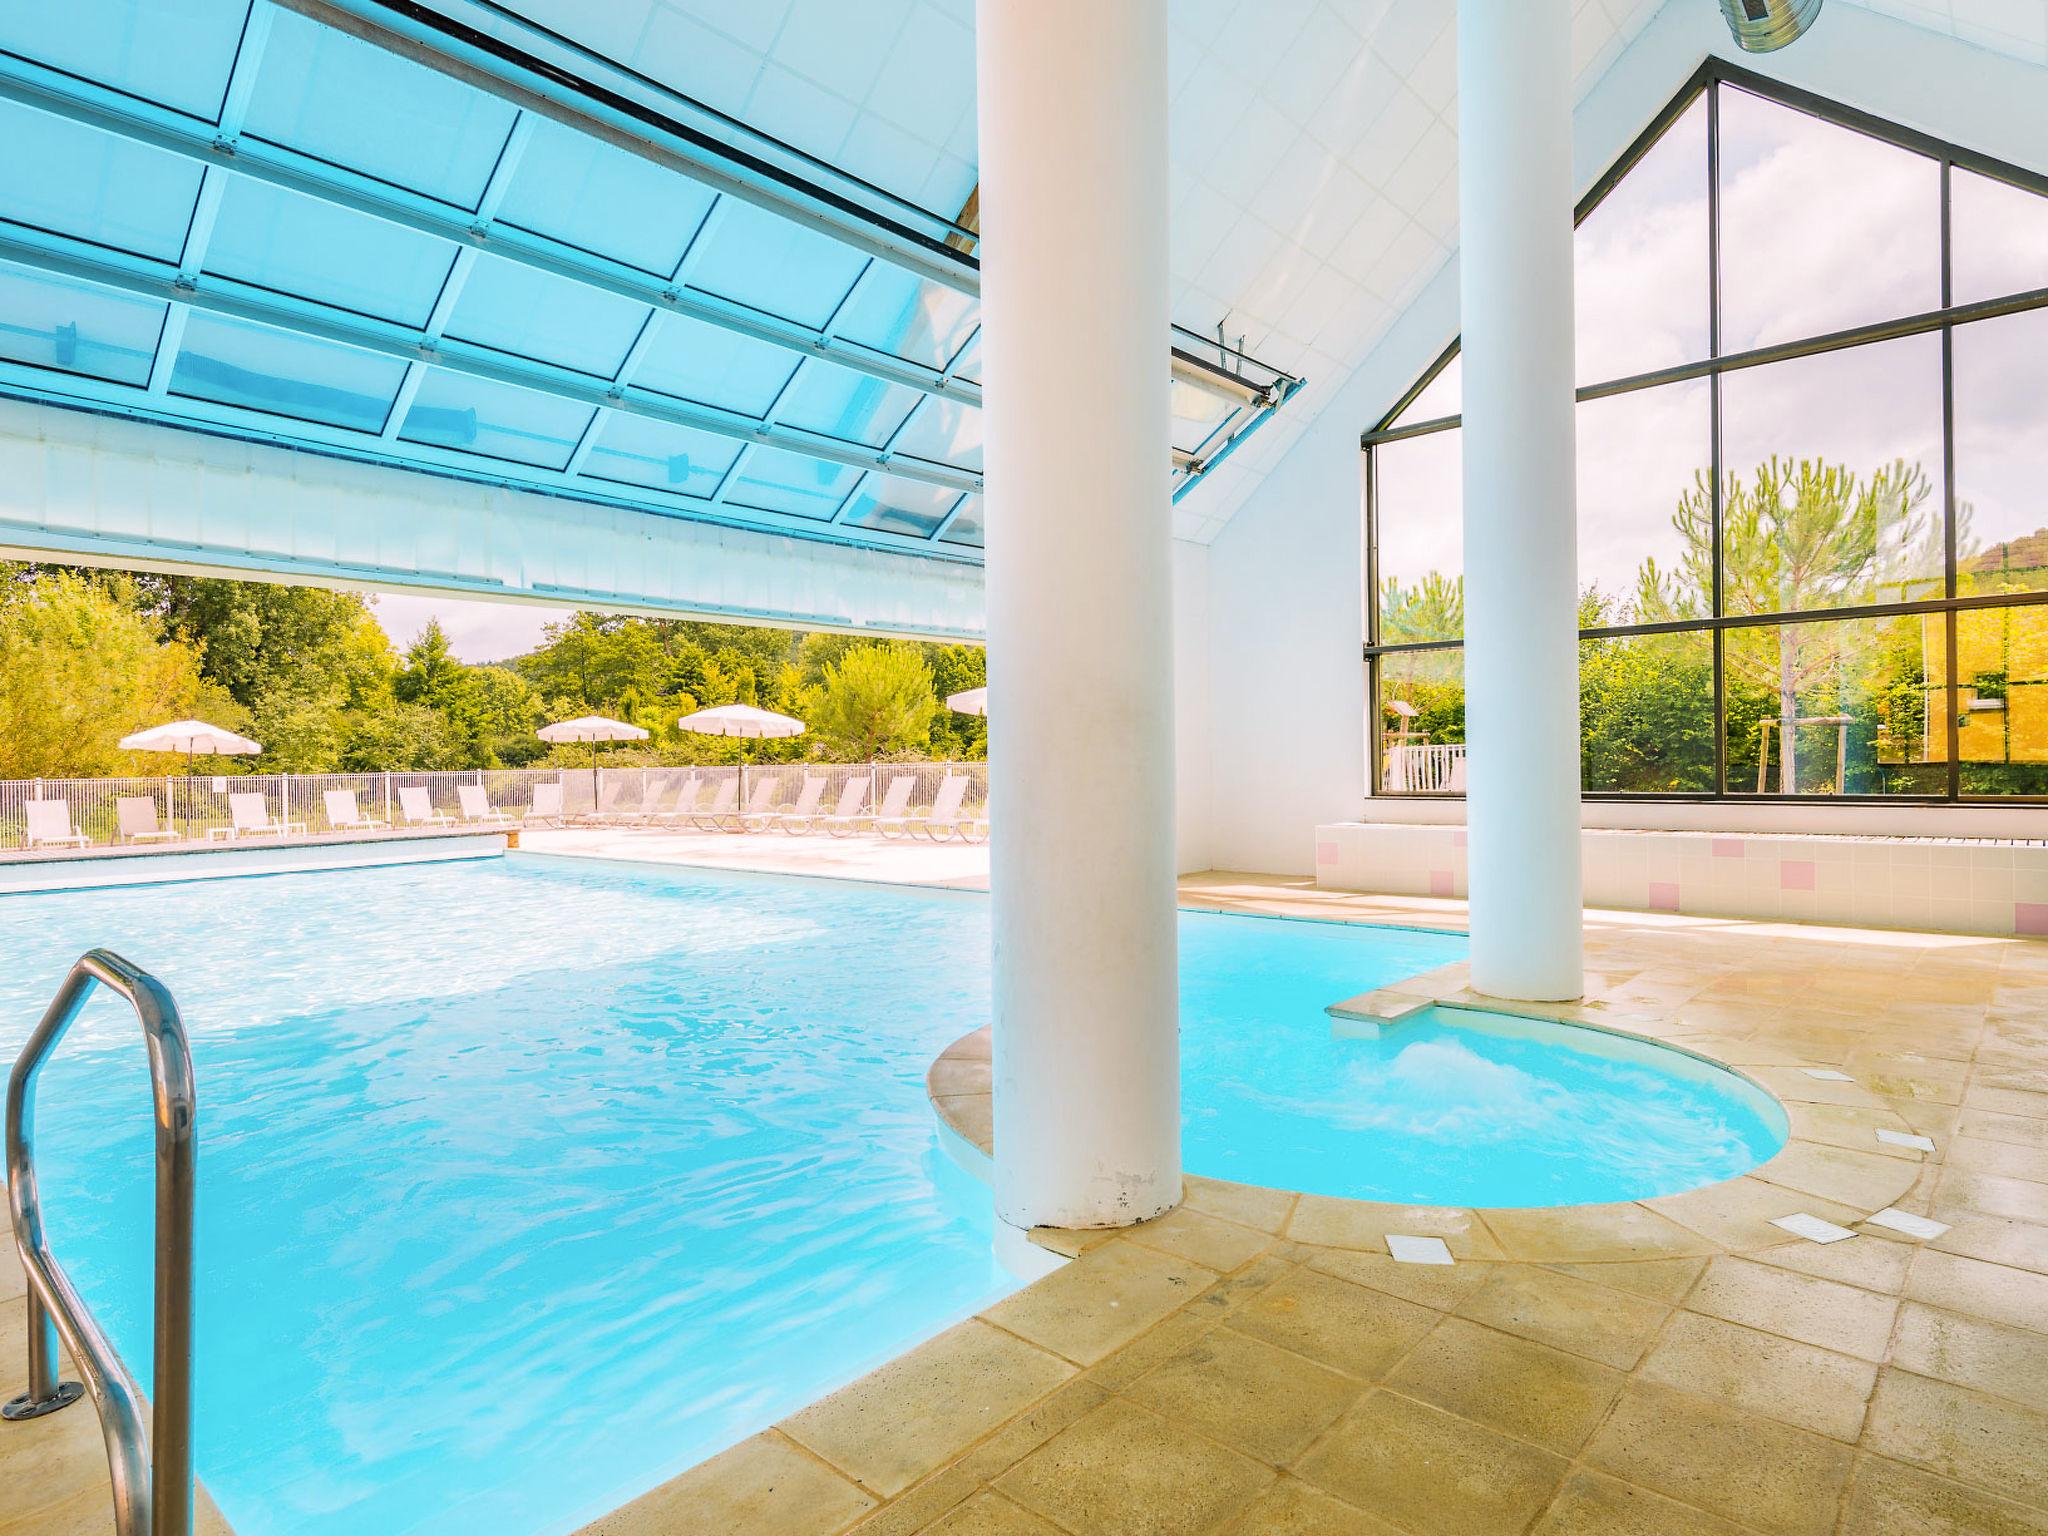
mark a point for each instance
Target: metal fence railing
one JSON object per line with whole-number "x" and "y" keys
{"x": 1429, "y": 769}
{"x": 198, "y": 808}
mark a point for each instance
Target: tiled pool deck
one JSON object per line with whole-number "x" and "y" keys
{"x": 1256, "y": 1363}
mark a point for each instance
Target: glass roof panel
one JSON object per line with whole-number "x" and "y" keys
{"x": 849, "y": 406}
{"x": 969, "y": 366}
{"x": 775, "y": 481}
{"x": 427, "y": 131}
{"x": 967, "y": 527}
{"x": 175, "y": 52}
{"x": 764, "y": 261}
{"x": 898, "y": 313}
{"x": 499, "y": 421}
{"x": 232, "y": 362}
{"x": 900, "y": 506}
{"x": 297, "y": 245}
{"x": 944, "y": 432}
{"x": 76, "y": 181}
{"x": 587, "y": 193}
{"x": 656, "y": 454}
{"x": 537, "y": 314}
{"x": 693, "y": 361}
{"x": 1197, "y": 413}
{"x": 50, "y": 322}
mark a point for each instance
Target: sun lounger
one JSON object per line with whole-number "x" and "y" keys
{"x": 49, "y": 823}
{"x": 342, "y": 814}
{"x": 547, "y": 804}
{"x": 135, "y": 816}
{"x": 251, "y": 813}
{"x": 419, "y": 808}
{"x": 477, "y": 810}
{"x": 712, "y": 817}
{"x": 800, "y": 816}
{"x": 945, "y": 820}
{"x": 853, "y": 794}
{"x": 650, "y": 802}
{"x": 760, "y": 811}
{"x": 894, "y": 813}
{"x": 684, "y": 806}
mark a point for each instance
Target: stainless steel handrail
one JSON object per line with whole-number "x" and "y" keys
{"x": 151, "y": 1464}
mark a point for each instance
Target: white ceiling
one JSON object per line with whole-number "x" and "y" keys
{"x": 1313, "y": 142}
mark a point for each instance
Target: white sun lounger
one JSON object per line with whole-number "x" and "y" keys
{"x": 342, "y": 813}
{"x": 684, "y": 806}
{"x": 419, "y": 810}
{"x": 547, "y": 804}
{"x": 650, "y": 802}
{"x": 760, "y": 811}
{"x": 477, "y": 809}
{"x": 799, "y": 816}
{"x": 251, "y": 813}
{"x": 49, "y": 823}
{"x": 853, "y": 794}
{"x": 135, "y": 815}
{"x": 712, "y": 817}
{"x": 945, "y": 819}
{"x": 894, "y": 812}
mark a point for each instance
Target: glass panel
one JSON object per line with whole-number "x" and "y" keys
{"x": 1419, "y": 500}
{"x": 1998, "y": 238}
{"x": 297, "y": 245}
{"x": 774, "y": 481}
{"x": 2002, "y": 700}
{"x": 1641, "y": 259}
{"x": 699, "y": 362}
{"x": 177, "y": 52}
{"x": 74, "y": 181}
{"x": 1646, "y": 714}
{"x": 849, "y": 406}
{"x": 355, "y": 105}
{"x": 1422, "y": 722}
{"x": 944, "y": 432}
{"x": 900, "y": 506}
{"x": 1840, "y": 707}
{"x": 234, "y": 363}
{"x": 2001, "y": 405}
{"x": 527, "y": 313}
{"x": 501, "y": 421}
{"x": 906, "y": 316}
{"x": 656, "y": 454}
{"x": 50, "y": 322}
{"x": 1442, "y": 396}
{"x": 1822, "y": 228}
{"x": 967, "y": 527}
{"x": 1833, "y": 489}
{"x": 1646, "y": 530}
{"x": 577, "y": 189}
{"x": 969, "y": 366}
{"x": 756, "y": 258}
{"x": 1197, "y": 413}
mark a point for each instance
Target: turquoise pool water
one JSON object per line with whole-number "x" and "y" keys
{"x": 526, "y": 1183}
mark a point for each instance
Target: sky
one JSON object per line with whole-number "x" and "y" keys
{"x": 477, "y": 631}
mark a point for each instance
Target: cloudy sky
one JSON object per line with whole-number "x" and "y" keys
{"x": 477, "y": 631}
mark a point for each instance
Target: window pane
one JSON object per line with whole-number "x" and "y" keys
{"x": 73, "y": 180}
{"x": 944, "y": 432}
{"x": 849, "y": 406}
{"x": 49, "y": 322}
{"x": 1833, "y": 489}
{"x": 1419, "y": 506}
{"x": 699, "y": 362}
{"x": 233, "y": 363}
{"x": 1422, "y": 722}
{"x": 1645, "y": 518}
{"x": 1998, "y": 238}
{"x": 967, "y": 527}
{"x": 1846, "y": 706}
{"x": 654, "y": 453}
{"x": 1641, "y": 261}
{"x": 1822, "y": 228}
{"x": 516, "y": 309}
{"x": 908, "y": 317}
{"x": 1646, "y": 714}
{"x": 901, "y": 506}
{"x": 768, "y": 263}
{"x": 2002, "y": 700}
{"x": 500, "y": 421}
{"x": 310, "y": 249}
{"x": 588, "y": 193}
{"x": 2001, "y": 395}
{"x": 1197, "y": 413}
{"x": 179, "y": 55}
{"x": 1442, "y": 396}
{"x": 774, "y": 481}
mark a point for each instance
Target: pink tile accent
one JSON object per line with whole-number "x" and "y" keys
{"x": 1663, "y": 895}
{"x": 1727, "y": 847}
{"x": 1795, "y": 875}
{"x": 1326, "y": 853}
{"x": 2030, "y": 917}
{"x": 1457, "y": 839}
{"x": 1440, "y": 883}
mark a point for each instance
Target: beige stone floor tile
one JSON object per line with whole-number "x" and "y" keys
{"x": 971, "y": 1115}
{"x": 1122, "y": 1471}
{"x": 1826, "y": 1313}
{"x": 1997, "y": 1240}
{"x": 1350, "y": 1328}
{"x": 1431, "y": 1473}
{"x": 1607, "y": 1326}
{"x": 1967, "y": 1189}
{"x": 764, "y": 1486}
{"x": 1585, "y": 1233}
{"x": 1892, "y": 1499}
{"x": 1293, "y": 1508}
{"x": 2005, "y": 1158}
{"x": 1253, "y": 1396}
{"x": 2031, "y": 1079}
{"x": 1362, "y": 1224}
{"x": 49, "y": 1462}
{"x": 1985, "y": 1124}
{"x": 13, "y": 1282}
{"x": 1026, "y": 1433}
{"x": 1209, "y": 1240}
{"x": 1867, "y": 1181}
{"x": 1742, "y": 1466}
{"x": 2006, "y": 1101}
{"x": 1875, "y": 1260}
{"x": 1103, "y": 1299}
{"x": 1794, "y": 1087}
{"x": 924, "y": 1408}
{"x": 1530, "y": 1391}
{"x": 1973, "y": 1352}
{"x": 1984, "y": 1441}
{"x": 1854, "y": 1126}
{"x": 1249, "y": 1205}
{"x": 990, "y": 1514}
{"x": 1443, "y": 1286}
{"x": 1737, "y": 1212}
{"x": 1592, "y": 1504}
{"x": 951, "y": 1075}
{"x": 1658, "y": 1279}
{"x": 1996, "y": 1291}
{"x": 1936, "y": 1120}
{"x": 1762, "y": 1373}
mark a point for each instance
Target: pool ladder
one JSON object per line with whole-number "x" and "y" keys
{"x": 150, "y": 1462}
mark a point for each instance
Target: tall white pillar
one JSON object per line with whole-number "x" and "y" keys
{"x": 1080, "y": 660}
{"x": 1521, "y": 568}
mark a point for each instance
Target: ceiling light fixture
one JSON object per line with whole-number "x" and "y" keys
{"x": 1764, "y": 26}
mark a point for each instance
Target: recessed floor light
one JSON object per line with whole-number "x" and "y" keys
{"x": 1419, "y": 1250}
{"x": 1812, "y": 1228}
{"x": 1906, "y": 1139}
{"x": 1895, "y": 1220}
{"x": 1828, "y": 1074}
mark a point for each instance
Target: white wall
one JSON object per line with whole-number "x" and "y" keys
{"x": 1285, "y": 614}
{"x": 1191, "y": 827}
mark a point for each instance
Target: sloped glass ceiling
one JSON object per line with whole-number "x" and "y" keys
{"x": 222, "y": 213}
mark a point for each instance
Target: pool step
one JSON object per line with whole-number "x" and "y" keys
{"x": 1364, "y": 1017}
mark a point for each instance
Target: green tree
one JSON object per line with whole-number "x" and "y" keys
{"x": 876, "y": 701}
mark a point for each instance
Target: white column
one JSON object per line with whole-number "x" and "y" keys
{"x": 1080, "y": 659}
{"x": 1521, "y": 581}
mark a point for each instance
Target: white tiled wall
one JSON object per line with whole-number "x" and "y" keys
{"x": 1958, "y": 885}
